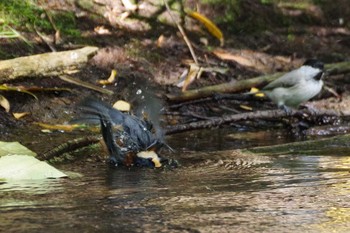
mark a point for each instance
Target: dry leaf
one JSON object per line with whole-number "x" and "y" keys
{"x": 258, "y": 61}
{"x": 129, "y": 6}
{"x": 224, "y": 55}
{"x": 110, "y": 80}
{"x": 4, "y": 103}
{"x": 182, "y": 78}
{"x": 101, "y": 30}
{"x": 161, "y": 41}
{"x": 19, "y": 115}
{"x": 257, "y": 92}
{"x": 122, "y": 106}
{"x": 193, "y": 73}
{"x": 211, "y": 27}
{"x": 245, "y": 107}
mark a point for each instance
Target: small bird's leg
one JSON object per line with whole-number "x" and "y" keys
{"x": 286, "y": 109}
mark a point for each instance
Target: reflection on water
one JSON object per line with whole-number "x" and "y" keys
{"x": 33, "y": 186}
{"x": 211, "y": 192}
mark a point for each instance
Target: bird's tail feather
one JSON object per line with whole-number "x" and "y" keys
{"x": 94, "y": 111}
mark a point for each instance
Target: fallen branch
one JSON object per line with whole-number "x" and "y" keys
{"x": 46, "y": 64}
{"x": 266, "y": 115}
{"x": 230, "y": 87}
{"x": 69, "y": 147}
{"x": 238, "y": 86}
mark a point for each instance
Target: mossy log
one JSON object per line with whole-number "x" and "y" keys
{"x": 46, "y": 64}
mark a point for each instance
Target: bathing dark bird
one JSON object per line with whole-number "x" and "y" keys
{"x": 130, "y": 140}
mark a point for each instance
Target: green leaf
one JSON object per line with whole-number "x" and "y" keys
{"x": 24, "y": 167}
{"x": 19, "y": 163}
{"x": 14, "y": 148}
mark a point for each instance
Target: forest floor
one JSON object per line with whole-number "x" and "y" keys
{"x": 149, "y": 52}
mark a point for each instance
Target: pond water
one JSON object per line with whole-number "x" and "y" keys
{"x": 211, "y": 192}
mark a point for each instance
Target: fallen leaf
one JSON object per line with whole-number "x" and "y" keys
{"x": 194, "y": 72}
{"x": 211, "y": 27}
{"x": 245, "y": 107}
{"x": 259, "y": 61}
{"x": 233, "y": 57}
{"x": 122, "y": 106}
{"x": 24, "y": 167}
{"x": 101, "y": 30}
{"x": 257, "y": 92}
{"x": 4, "y": 103}
{"x": 7, "y": 148}
{"x": 18, "y": 162}
{"x": 19, "y": 115}
{"x": 110, "y": 80}
{"x": 161, "y": 41}
{"x": 129, "y": 6}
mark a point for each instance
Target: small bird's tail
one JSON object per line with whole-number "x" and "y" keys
{"x": 116, "y": 155}
{"x": 94, "y": 111}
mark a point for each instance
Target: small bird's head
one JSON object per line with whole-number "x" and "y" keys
{"x": 314, "y": 63}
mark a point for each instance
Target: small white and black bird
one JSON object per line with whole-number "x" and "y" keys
{"x": 296, "y": 86}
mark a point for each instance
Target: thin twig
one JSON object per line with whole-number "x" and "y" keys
{"x": 57, "y": 36}
{"x": 46, "y": 40}
{"x": 81, "y": 83}
{"x": 182, "y": 31}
